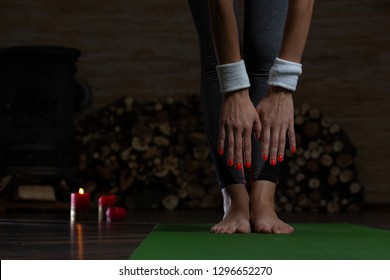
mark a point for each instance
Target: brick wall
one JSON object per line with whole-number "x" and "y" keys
{"x": 149, "y": 49}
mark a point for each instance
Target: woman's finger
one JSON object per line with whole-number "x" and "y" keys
{"x": 291, "y": 137}
{"x": 221, "y": 141}
{"x": 265, "y": 140}
{"x": 247, "y": 149}
{"x": 230, "y": 148}
{"x": 238, "y": 149}
{"x": 281, "y": 145}
{"x": 274, "y": 144}
{"x": 257, "y": 127}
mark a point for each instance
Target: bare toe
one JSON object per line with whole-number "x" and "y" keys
{"x": 263, "y": 228}
{"x": 266, "y": 221}
{"x": 287, "y": 229}
{"x": 235, "y": 221}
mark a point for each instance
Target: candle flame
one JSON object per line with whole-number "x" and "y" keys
{"x": 81, "y": 191}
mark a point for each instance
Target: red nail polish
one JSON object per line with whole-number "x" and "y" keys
{"x": 247, "y": 164}
{"x": 273, "y": 162}
{"x": 220, "y": 151}
{"x": 280, "y": 158}
{"x": 265, "y": 157}
{"x": 238, "y": 166}
{"x": 230, "y": 162}
{"x": 293, "y": 149}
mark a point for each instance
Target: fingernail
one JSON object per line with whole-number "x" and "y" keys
{"x": 230, "y": 162}
{"x": 280, "y": 158}
{"x": 220, "y": 151}
{"x": 265, "y": 157}
{"x": 247, "y": 164}
{"x": 273, "y": 162}
{"x": 238, "y": 166}
{"x": 293, "y": 149}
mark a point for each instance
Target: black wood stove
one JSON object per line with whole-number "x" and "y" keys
{"x": 37, "y": 90}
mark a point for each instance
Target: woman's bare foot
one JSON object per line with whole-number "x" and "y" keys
{"x": 262, "y": 209}
{"x": 236, "y": 208}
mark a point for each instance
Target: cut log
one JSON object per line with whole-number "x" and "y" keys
{"x": 303, "y": 200}
{"x": 326, "y": 160}
{"x": 161, "y": 141}
{"x": 201, "y": 152}
{"x": 166, "y": 128}
{"x": 314, "y": 183}
{"x": 334, "y": 128}
{"x": 335, "y": 170}
{"x": 354, "y": 188}
{"x": 333, "y": 207}
{"x": 338, "y": 146}
{"x": 170, "y": 202}
{"x": 346, "y": 176}
{"x": 139, "y": 144}
{"x": 344, "y": 160}
{"x": 326, "y": 122}
{"x": 314, "y": 113}
{"x": 332, "y": 180}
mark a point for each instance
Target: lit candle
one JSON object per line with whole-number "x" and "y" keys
{"x": 79, "y": 206}
{"x": 116, "y": 214}
{"x": 105, "y": 202}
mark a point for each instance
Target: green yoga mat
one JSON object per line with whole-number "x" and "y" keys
{"x": 308, "y": 242}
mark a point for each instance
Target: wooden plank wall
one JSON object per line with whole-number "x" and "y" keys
{"x": 149, "y": 49}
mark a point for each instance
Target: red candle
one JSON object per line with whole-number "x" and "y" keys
{"x": 79, "y": 206}
{"x": 116, "y": 214}
{"x": 105, "y": 202}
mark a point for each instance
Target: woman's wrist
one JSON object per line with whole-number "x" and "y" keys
{"x": 278, "y": 89}
{"x": 233, "y": 77}
{"x": 285, "y": 74}
{"x": 237, "y": 95}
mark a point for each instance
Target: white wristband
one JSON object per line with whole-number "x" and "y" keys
{"x": 285, "y": 74}
{"x": 232, "y": 76}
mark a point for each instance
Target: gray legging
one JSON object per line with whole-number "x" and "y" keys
{"x": 263, "y": 32}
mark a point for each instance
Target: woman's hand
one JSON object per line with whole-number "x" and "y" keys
{"x": 239, "y": 119}
{"x": 276, "y": 112}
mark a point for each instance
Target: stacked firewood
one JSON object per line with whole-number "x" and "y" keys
{"x": 154, "y": 154}
{"x": 321, "y": 175}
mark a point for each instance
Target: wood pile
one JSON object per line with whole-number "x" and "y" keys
{"x": 154, "y": 154}
{"x": 321, "y": 176}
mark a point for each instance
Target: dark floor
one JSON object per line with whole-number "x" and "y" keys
{"x": 33, "y": 236}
